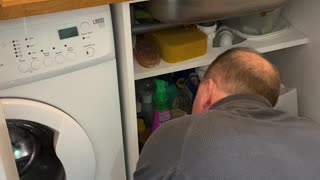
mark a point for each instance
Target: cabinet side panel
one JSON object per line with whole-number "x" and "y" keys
{"x": 122, "y": 32}
{"x": 299, "y": 66}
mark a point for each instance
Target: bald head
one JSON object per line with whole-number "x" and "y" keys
{"x": 245, "y": 71}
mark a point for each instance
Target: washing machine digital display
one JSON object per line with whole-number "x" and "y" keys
{"x": 68, "y": 33}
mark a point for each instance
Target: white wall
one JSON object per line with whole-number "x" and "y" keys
{"x": 300, "y": 66}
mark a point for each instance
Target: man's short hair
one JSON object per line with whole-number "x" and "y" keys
{"x": 245, "y": 71}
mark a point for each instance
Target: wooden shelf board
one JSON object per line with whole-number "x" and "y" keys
{"x": 49, "y": 6}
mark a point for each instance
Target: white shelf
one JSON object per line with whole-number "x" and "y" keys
{"x": 290, "y": 38}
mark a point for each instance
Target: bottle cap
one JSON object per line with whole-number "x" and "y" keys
{"x": 147, "y": 99}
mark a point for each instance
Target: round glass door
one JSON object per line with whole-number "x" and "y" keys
{"x": 32, "y": 146}
{"x": 43, "y": 140}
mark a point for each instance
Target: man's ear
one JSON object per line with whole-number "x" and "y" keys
{"x": 210, "y": 89}
{"x": 205, "y": 96}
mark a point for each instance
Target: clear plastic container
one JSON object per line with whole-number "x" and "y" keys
{"x": 256, "y": 24}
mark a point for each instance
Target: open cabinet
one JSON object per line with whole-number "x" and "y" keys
{"x": 296, "y": 64}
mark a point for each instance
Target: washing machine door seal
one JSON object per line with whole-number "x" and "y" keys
{"x": 72, "y": 145}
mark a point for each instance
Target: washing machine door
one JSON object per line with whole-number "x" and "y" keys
{"x": 37, "y": 139}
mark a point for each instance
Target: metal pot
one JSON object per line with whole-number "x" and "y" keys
{"x": 193, "y": 11}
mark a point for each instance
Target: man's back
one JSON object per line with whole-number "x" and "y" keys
{"x": 242, "y": 137}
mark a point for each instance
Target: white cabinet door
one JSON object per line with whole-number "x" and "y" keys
{"x": 8, "y": 170}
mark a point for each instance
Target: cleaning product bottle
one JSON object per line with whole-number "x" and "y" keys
{"x": 145, "y": 91}
{"x": 143, "y": 133}
{"x": 184, "y": 98}
{"x": 192, "y": 84}
{"x": 171, "y": 88}
{"x": 161, "y": 104}
{"x": 172, "y": 93}
{"x": 147, "y": 109}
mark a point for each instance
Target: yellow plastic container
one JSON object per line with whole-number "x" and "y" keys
{"x": 179, "y": 44}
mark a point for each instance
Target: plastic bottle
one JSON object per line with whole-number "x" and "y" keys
{"x": 147, "y": 109}
{"x": 172, "y": 94}
{"x": 145, "y": 90}
{"x": 161, "y": 105}
{"x": 171, "y": 88}
{"x": 183, "y": 100}
{"x": 192, "y": 84}
{"x": 139, "y": 108}
{"x": 143, "y": 133}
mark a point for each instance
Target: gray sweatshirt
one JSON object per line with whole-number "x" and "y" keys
{"x": 241, "y": 138}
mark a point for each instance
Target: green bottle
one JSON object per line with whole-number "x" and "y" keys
{"x": 161, "y": 104}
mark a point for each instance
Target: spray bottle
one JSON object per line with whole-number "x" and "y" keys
{"x": 161, "y": 104}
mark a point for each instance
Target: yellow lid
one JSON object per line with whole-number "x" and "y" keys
{"x": 141, "y": 126}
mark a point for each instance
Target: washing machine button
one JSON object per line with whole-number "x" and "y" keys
{"x": 90, "y": 52}
{"x": 35, "y": 64}
{"x": 85, "y": 26}
{"x": 24, "y": 67}
{"x": 59, "y": 59}
{"x": 47, "y": 61}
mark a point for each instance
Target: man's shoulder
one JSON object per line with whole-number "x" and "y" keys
{"x": 180, "y": 127}
{"x": 161, "y": 153}
{"x": 186, "y": 122}
{"x": 176, "y": 126}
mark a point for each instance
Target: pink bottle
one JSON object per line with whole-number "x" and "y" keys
{"x": 161, "y": 105}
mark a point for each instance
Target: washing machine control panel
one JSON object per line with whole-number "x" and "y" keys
{"x": 48, "y": 45}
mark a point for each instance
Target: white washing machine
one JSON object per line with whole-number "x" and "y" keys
{"x": 59, "y": 98}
